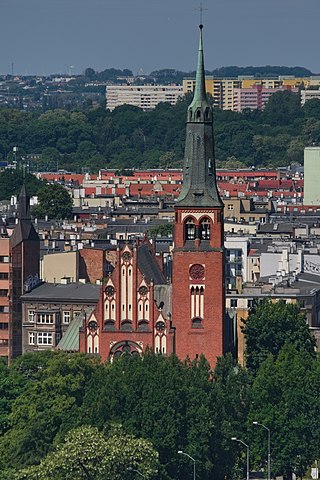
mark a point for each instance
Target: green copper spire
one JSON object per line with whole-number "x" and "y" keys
{"x": 200, "y": 88}
{"x": 199, "y": 187}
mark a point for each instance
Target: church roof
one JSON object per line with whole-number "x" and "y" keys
{"x": 148, "y": 265}
{"x": 70, "y": 340}
{"x": 24, "y": 229}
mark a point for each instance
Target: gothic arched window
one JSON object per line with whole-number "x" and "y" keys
{"x": 190, "y": 229}
{"x": 205, "y": 229}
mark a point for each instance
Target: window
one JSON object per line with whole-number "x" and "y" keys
{"x": 3, "y": 292}
{"x": 76, "y": 313}
{"x": 250, "y": 303}
{"x": 45, "y": 318}
{"x": 4, "y": 275}
{"x": 205, "y": 229}
{"x": 66, "y": 317}
{"x": 31, "y": 315}
{"x": 197, "y": 322}
{"x": 4, "y": 259}
{"x": 234, "y": 303}
{"x": 230, "y": 206}
{"x": 3, "y": 326}
{"x": 190, "y": 229}
{"x": 32, "y": 338}
{"x": 4, "y": 309}
{"x": 44, "y": 338}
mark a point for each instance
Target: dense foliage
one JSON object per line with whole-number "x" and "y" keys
{"x": 11, "y": 181}
{"x": 131, "y": 138}
{"x": 54, "y": 202}
{"x": 269, "y": 327}
{"x": 66, "y": 415}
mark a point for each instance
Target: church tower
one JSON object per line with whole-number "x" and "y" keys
{"x": 25, "y": 261}
{"x": 198, "y": 297}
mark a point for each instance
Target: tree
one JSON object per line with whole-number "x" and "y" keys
{"x": 87, "y": 454}
{"x": 269, "y": 326}
{"x": 282, "y": 108}
{"x": 11, "y": 181}
{"x": 54, "y": 202}
{"x": 47, "y": 407}
{"x": 285, "y": 398}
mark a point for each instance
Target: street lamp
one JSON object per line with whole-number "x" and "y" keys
{"x": 137, "y": 471}
{"x": 235, "y": 439}
{"x": 269, "y": 447}
{"x": 194, "y": 462}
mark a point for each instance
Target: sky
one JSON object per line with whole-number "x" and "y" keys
{"x": 67, "y": 36}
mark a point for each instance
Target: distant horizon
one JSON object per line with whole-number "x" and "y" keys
{"x": 191, "y": 71}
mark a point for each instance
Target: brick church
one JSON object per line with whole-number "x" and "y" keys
{"x": 137, "y": 307}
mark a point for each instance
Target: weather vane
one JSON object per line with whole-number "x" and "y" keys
{"x": 201, "y": 10}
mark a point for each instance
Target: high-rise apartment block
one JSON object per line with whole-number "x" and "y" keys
{"x": 146, "y": 97}
{"x": 244, "y": 92}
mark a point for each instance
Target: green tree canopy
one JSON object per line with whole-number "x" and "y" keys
{"x": 285, "y": 398}
{"x": 11, "y": 181}
{"x": 269, "y": 326}
{"x": 54, "y": 202}
{"x": 86, "y": 454}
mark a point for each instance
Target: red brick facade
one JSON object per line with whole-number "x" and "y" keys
{"x": 130, "y": 317}
{"x": 198, "y": 286}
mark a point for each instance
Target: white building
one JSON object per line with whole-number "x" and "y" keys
{"x": 146, "y": 97}
{"x": 309, "y": 94}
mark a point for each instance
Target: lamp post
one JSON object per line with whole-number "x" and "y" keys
{"x": 235, "y": 439}
{"x": 194, "y": 462}
{"x": 269, "y": 447}
{"x": 137, "y": 471}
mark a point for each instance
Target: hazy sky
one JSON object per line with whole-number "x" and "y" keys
{"x": 49, "y": 36}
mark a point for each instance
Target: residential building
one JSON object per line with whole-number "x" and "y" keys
{"x": 146, "y": 97}
{"x": 256, "y": 97}
{"x": 49, "y": 310}
{"x": 5, "y": 291}
{"x": 309, "y": 94}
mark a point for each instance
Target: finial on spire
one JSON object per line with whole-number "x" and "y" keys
{"x": 201, "y": 10}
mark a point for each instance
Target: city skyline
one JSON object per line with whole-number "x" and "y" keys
{"x": 43, "y": 37}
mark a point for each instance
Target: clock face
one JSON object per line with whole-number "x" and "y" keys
{"x": 126, "y": 257}
{"x": 196, "y": 271}
{"x": 110, "y": 291}
{"x": 160, "y": 326}
{"x": 143, "y": 290}
{"x": 92, "y": 325}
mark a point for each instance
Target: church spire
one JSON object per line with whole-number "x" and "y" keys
{"x": 24, "y": 204}
{"x": 200, "y": 87}
{"x": 199, "y": 187}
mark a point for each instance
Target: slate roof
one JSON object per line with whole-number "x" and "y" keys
{"x": 149, "y": 266}
{"x": 23, "y": 231}
{"x": 78, "y": 292}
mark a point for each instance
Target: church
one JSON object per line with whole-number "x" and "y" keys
{"x": 138, "y": 308}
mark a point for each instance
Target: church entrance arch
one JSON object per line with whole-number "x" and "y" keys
{"x": 125, "y": 347}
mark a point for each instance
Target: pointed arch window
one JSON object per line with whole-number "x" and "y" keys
{"x": 205, "y": 229}
{"x": 190, "y": 229}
